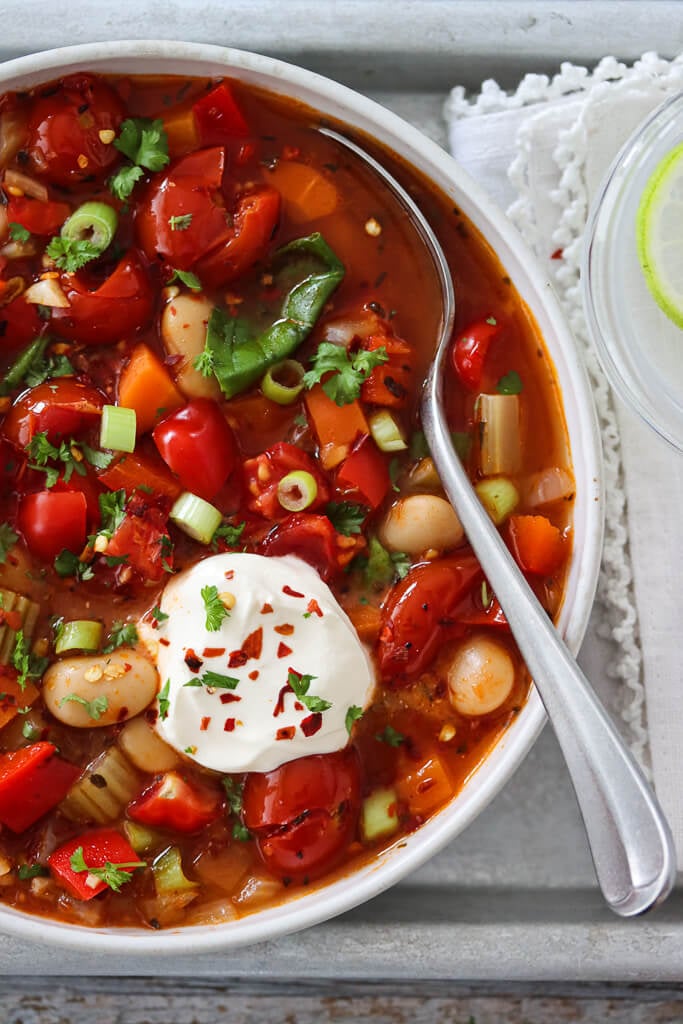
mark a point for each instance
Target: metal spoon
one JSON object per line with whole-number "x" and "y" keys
{"x": 629, "y": 837}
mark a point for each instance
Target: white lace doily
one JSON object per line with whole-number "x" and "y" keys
{"x": 553, "y": 172}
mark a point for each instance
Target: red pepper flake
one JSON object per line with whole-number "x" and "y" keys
{"x": 237, "y": 659}
{"x": 291, "y": 593}
{"x": 229, "y": 574}
{"x": 313, "y": 608}
{"x": 558, "y": 254}
{"x": 13, "y": 619}
{"x": 286, "y": 733}
{"x": 280, "y": 705}
{"x": 285, "y": 629}
{"x": 253, "y": 645}
{"x": 192, "y": 660}
{"x": 283, "y": 650}
{"x": 164, "y": 641}
{"x": 311, "y": 723}
{"x": 298, "y": 706}
{"x": 267, "y": 609}
{"x": 229, "y": 698}
{"x": 204, "y": 725}
{"x": 213, "y": 652}
{"x": 229, "y": 725}
{"x": 254, "y": 674}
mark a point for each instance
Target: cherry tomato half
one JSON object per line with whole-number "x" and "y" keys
{"x": 51, "y": 521}
{"x": 421, "y": 613}
{"x": 197, "y": 443}
{"x": 304, "y": 813}
{"x": 60, "y": 408}
{"x": 217, "y": 242}
{"x": 64, "y": 128}
{"x": 113, "y": 310}
{"x": 314, "y": 539}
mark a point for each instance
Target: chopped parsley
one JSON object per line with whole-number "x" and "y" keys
{"x": 214, "y": 681}
{"x": 380, "y": 566}
{"x": 30, "y": 732}
{"x": 214, "y": 607}
{"x": 158, "y": 615}
{"x": 121, "y": 635}
{"x": 113, "y": 875}
{"x": 229, "y": 534}
{"x": 8, "y": 539}
{"x": 348, "y": 371}
{"x": 112, "y": 511}
{"x": 510, "y": 384}
{"x": 390, "y": 736}
{"x": 73, "y": 455}
{"x": 300, "y": 684}
{"x": 346, "y": 517}
{"x": 181, "y": 222}
{"x": 353, "y": 714}
{"x": 70, "y": 254}
{"x": 145, "y": 143}
{"x": 18, "y": 233}
{"x": 95, "y": 707}
{"x": 163, "y": 700}
{"x": 124, "y": 181}
{"x": 233, "y": 792}
{"x": 27, "y": 665}
{"x": 68, "y": 564}
{"x": 190, "y": 281}
{"x": 47, "y": 367}
{"x": 27, "y": 871}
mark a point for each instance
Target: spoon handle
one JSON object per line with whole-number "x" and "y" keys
{"x": 629, "y": 837}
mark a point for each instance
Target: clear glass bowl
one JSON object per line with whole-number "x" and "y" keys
{"x": 640, "y": 348}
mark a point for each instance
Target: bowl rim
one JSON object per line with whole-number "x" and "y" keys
{"x": 332, "y": 98}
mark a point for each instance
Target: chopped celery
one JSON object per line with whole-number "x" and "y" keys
{"x": 499, "y": 496}
{"x": 168, "y": 873}
{"x": 378, "y": 816}
{"x": 118, "y": 428}
{"x": 386, "y": 432}
{"x": 501, "y": 448}
{"x": 79, "y": 635}
{"x": 196, "y": 517}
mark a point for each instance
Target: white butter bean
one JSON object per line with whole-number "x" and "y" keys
{"x": 183, "y": 331}
{"x": 480, "y": 677}
{"x": 114, "y": 686}
{"x": 419, "y": 523}
{"x": 145, "y": 748}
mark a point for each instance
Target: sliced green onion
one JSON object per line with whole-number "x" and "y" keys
{"x": 168, "y": 873}
{"x": 297, "y": 490}
{"x": 379, "y": 816}
{"x": 499, "y": 496}
{"x": 283, "y": 382}
{"x": 118, "y": 428}
{"x": 92, "y": 222}
{"x": 386, "y": 432}
{"x": 79, "y": 635}
{"x": 196, "y": 517}
{"x": 501, "y": 444}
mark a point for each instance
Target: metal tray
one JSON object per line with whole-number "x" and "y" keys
{"x": 514, "y": 898}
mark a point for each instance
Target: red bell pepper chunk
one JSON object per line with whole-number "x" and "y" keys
{"x": 366, "y": 473}
{"x": 470, "y": 349}
{"x": 100, "y": 847}
{"x": 33, "y": 780}
{"x": 218, "y": 118}
{"x": 173, "y": 803}
{"x": 197, "y": 443}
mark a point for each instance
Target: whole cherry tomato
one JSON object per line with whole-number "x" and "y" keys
{"x": 304, "y": 813}
{"x": 173, "y": 803}
{"x": 51, "y": 521}
{"x": 113, "y": 310}
{"x": 314, "y": 539}
{"x": 64, "y": 142}
{"x": 219, "y": 239}
{"x": 421, "y": 613}
{"x": 197, "y": 443}
{"x": 61, "y": 408}
{"x": 263, "y": 474}
{"x": 470, "y": 348}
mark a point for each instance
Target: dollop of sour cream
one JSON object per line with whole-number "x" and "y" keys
{"x": 274, "y": 681}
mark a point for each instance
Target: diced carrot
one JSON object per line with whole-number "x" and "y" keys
{"x": 367, "y": 621}
{"x": 337, "y": 427}
{"x": 306, "y": 192}
{"x": 146, "y": 386}
{"x": 425, "y": 786}
{"x": 537, "y": 545}
{"x": 181, "y": 130}
{"x": 12, "y": 697}
{"x": 138, "y": 470}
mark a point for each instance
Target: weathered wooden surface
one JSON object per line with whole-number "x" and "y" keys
{"x": 49, "y": 1001}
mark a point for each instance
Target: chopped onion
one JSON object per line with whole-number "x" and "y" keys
{"x": 47, "y": 293}
{"x": 29, "y": 186}
{"x": 501, "y": 445}
{"x": 552, "y": 484}
{"x": 18, "y": 250}
{"x": 12, "y": 128}
{"x": 386, "y": 432}
{"x": 344, "y": 330}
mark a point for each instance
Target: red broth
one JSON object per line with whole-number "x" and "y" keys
{"x": 205, "y": 193}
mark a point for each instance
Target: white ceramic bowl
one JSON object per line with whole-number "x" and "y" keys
{"x": 330, "y": 98}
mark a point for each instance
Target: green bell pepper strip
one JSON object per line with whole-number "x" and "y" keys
{"x": 238, "y": 360}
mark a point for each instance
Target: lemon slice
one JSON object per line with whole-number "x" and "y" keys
{"x": 659, "y": 234}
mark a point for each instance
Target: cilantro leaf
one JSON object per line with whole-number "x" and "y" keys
{"x": 163, "y": 699}
{"x": 214, "y": 681}
{"x": 353, "y": 714}
{"x": 95, "y": 707}
{"x": 158, "y": 615}
{"x": 381, "y": 567}
{"x": 96, "y": 458}
{"x": 390, "y": 736}
{"x": 205, "y": 362}
{"x": 300, "y": 685}
{"x": 190, "y": 280}
{"x": 229, "y": 534}
{"x": 121, "y": 635}
{"x": 113, "y": 875}
{"x": 28, "y": 871}
{"x": 214, "y": 607}
{"x": 346, "y": 517}
{"x": 68, "y": 564}
{"x": 27, "y": 665}
{"x": 40, "y": 450}
{"x": 8, "y": 538}
{"x": 18, "y": 233}
{"x": 70, "y": 254}
{"x": 112, "y": 511}
{"x": 144, "y": 142}
{"x": 122, "y": 183}
{"x": 510, "y": 384}
{"x": 48, "y": 367}
{"x": 348, "y": 371}
{"x": 181, "y": 222}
